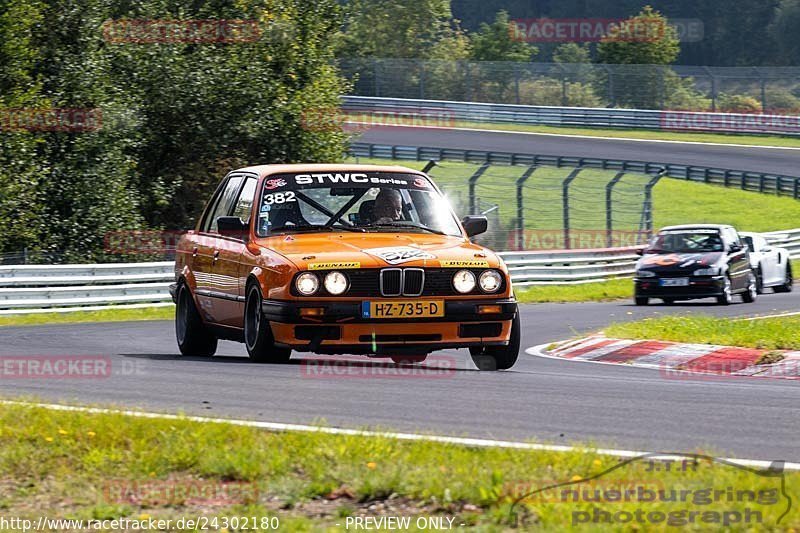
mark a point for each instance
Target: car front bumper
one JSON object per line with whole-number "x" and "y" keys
{"x": 341, "y": 328}
{"x": 699, "y": 287}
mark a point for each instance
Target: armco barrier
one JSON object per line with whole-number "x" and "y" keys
{"x": 64, "y": 288}
{"x": 746, "y": 181}
{"x": 580, "y": 116}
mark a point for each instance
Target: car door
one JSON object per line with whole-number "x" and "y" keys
{"x": 770, "y": 262}
{"x": 230, "y": 272}
{"x": 738, "y": 261}
{"x": 207, "y": 250}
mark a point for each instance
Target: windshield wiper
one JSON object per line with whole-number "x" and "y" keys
{"x": 313, "y": 227}
{"x": 406, "y": 225}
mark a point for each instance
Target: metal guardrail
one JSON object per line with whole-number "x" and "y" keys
{"x": 746, "y": 181}
{"x": 65, "y": 288}
{"x": 439, "y": 112}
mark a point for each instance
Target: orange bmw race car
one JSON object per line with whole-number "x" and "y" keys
{"x": 341, "y": 259}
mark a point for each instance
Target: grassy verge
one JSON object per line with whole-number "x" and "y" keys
{"x": 718, "y": 138}
{"x": 769, "y": 333}
{"x": 107, "y": 466}
{"x": 615, "y": 289}
{"x": 106, "y": 315}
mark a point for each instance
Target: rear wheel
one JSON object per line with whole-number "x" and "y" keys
{"x": 669, "y": 301}
{"x": 499, "y": 357}
{"x": 788, "y": 281}
{"x": 749, "y": 296}
{"x": 641, "y": 300}
{"x": 258, "y": 337}
{"x": 725, "y": 298}
{"x": 193, "y": 336}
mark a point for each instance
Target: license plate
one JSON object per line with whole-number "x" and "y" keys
{"x": 675, "y": 282}
{"x": 403, "y": 309}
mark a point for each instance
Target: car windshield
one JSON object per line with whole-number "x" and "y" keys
{"x": 353, "y": 201}
{"x": 686, "y": 242}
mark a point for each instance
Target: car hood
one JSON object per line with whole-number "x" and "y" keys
{"x": 678, "y": 262}
{"x": 376, "y": 250}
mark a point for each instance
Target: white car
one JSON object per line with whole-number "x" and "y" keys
{"x": 771, "y": 264}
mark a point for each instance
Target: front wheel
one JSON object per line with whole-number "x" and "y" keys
{"x": 258, "y": 334}
{"x": 749, "y": 296}
{"x": 499, "y": 357}
{"x": 641, "y": 300}
{"x": 194, "y": 337}
{"x": 725, "y": 298}
{"x": 409, "y": 359}
{"x": 759, "y": 280}
{"x": 788, "y": 281}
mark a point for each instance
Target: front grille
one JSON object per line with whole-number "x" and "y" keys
{"x": 402, "y": 281}
{"x": 367, "y": 282}
{"x": 420, "y": 337}
{"x": 391, "y": 282}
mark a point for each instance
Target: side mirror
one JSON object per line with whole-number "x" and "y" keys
{"x": 766, "y": 249}
{"x": 734, "y": 248}
{"x": 640, "y": 251}
{"x": 233, "y": 227}
{"x": 475, "y": 224}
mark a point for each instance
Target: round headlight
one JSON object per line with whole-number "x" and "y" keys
{"x": 335, "y": 283}
{"x": 490, "y": 280}
{"x": 307, "y": 283}
{"x": 464, "y": 281}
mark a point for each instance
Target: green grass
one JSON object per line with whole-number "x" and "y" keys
{"x": 106, "y": 315}
{"x": 769, "y": 334}
{"x": 614, "y": 289}
{"x": 82, "y": 466}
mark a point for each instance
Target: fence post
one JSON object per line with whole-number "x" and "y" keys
{"x": 609, "y": 213}
{"x": 521, "y": 207}
{"x": 421, "y": 79}
{"x": 565, "y": 203}
{"x": 376, "y": 82}
{"x": 516, "y": 81}
{"x": 611, "y": 97}
{"x": 713, "y": 89}
{"x": 473, "y": 204}
{"x": 647, "y": 213}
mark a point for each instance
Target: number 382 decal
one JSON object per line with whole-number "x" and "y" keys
{"x": 279, "y": 198}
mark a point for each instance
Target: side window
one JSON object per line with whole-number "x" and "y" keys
{"x": 244, "y": 203}
{"x": 224, "y": 203}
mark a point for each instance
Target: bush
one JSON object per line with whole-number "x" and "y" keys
{"x": 547, "y": 91}
{"x": 782, "y": 100}
{"x": 682, "y": 95}
{"x": 738, "y": 103}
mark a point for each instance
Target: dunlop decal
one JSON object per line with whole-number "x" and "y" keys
{"x": 465, "y": 264}
{"x": 334, "y": 264}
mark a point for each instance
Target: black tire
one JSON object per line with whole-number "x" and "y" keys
{"x": 726, "y": 298}
{"x": 258, "y": 337}
{"x": 751, "y": 293}
{"x": 193, "y": 336}
{"x": 759, "y": 280}
{"x": 788, "y": 283}
{"x": 409, "y": 359}
{"x": 668, "y": 301}
{"x": 641, "y": 300}
{"x": 499, "y": 357}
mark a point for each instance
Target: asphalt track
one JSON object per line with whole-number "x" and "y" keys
{"x": 755, "y": 159}
{"x": 552, "y": 401}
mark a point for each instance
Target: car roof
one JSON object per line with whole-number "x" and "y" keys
{"x": 266, "y": 170}
{"x": 696, "y": 226}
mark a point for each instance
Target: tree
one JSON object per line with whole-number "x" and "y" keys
{"x": 494, "y": 42}
{"x": 647, "y": 40}
{"x": 573, "y": 53}
{"x": 784, "y": 29}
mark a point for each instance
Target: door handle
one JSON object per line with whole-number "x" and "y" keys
{"x": 216, "y": 255}
{"x": 194, "y": 251}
